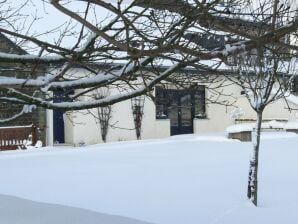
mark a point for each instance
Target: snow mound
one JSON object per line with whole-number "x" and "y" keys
{"x": 14, "y": 210}
{"x": 240, "y": 127}
{"x": 291, "y": 125}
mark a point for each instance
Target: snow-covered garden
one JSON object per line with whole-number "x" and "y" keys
{"x": 184, "y": 179}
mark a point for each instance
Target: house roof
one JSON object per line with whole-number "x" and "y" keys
{"x": 15, "y": 69}
{"x": 6, "y": 45}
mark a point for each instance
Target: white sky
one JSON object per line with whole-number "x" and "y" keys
{"x": 51, "y": 18}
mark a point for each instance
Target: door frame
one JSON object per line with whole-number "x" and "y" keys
{"x": 181, "y": 129}
{"x": 58, "y": 119}
{"x": 164, "y": 97}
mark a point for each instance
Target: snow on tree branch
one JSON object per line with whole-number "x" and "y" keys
{"x": 128, "y": 47}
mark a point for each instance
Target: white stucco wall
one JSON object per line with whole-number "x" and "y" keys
{"x": 68, "y": 127}
{"x": 219, "y": 116}
{"x": 83, "y": 128}
{"x": 49, "y": 127}
{"x": 162, "y": 128}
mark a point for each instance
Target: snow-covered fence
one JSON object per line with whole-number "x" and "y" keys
{"x": 15, "y": 137}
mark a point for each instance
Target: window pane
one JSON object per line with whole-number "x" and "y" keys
{"x": 161, "y": 103}
{"x": 200, "y": 104}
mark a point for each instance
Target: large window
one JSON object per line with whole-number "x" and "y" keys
{"x": 170, "y": 101}
{"x": 181, "y": 107}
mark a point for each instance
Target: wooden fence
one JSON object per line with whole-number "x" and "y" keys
{"x": 14, "y": 137}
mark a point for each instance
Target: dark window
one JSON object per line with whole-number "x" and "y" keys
{"x": 167, "y": 101}
{"x": 199, "y": 102}
{"x": 162, "y": 103}
{"x": 295, "y": 86}
{"x": 181, "y": 107}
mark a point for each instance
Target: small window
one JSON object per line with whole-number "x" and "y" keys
{"x": 200, "y": 102}
{"x": 294, "y": 88}
{"x": 161, "y": 103}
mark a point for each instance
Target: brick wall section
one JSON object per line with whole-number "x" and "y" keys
{"x": 38, "y": 116}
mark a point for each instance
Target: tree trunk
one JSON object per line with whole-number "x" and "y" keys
{"x": 252, "y": 192}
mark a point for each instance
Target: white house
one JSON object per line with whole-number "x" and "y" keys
{"x": 176, "y": 111}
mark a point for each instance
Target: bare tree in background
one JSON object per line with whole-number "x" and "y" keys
{"x": 104, "y": 114}
{"x": 137, "y": 106}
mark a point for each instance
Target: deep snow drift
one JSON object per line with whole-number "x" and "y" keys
{"x": 181, "y": 180}
{"x": 21, "y": 211}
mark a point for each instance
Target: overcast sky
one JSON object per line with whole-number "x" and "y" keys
{"x": 51, "y": 18}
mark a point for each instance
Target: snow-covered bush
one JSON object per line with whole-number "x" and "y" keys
{"x": 28, "y": 144}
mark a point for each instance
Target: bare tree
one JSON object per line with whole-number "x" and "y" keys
{"x": 264, "y": 77}
{"x": 126, "y": 50}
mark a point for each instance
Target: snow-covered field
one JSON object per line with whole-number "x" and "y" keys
{"x": 180, "y": 180}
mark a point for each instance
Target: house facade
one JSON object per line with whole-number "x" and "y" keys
{"x": 197, "y": 109}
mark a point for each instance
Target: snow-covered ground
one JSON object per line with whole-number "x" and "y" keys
{"x": 21, "y": 211}
{"x": 180, "y": 180}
